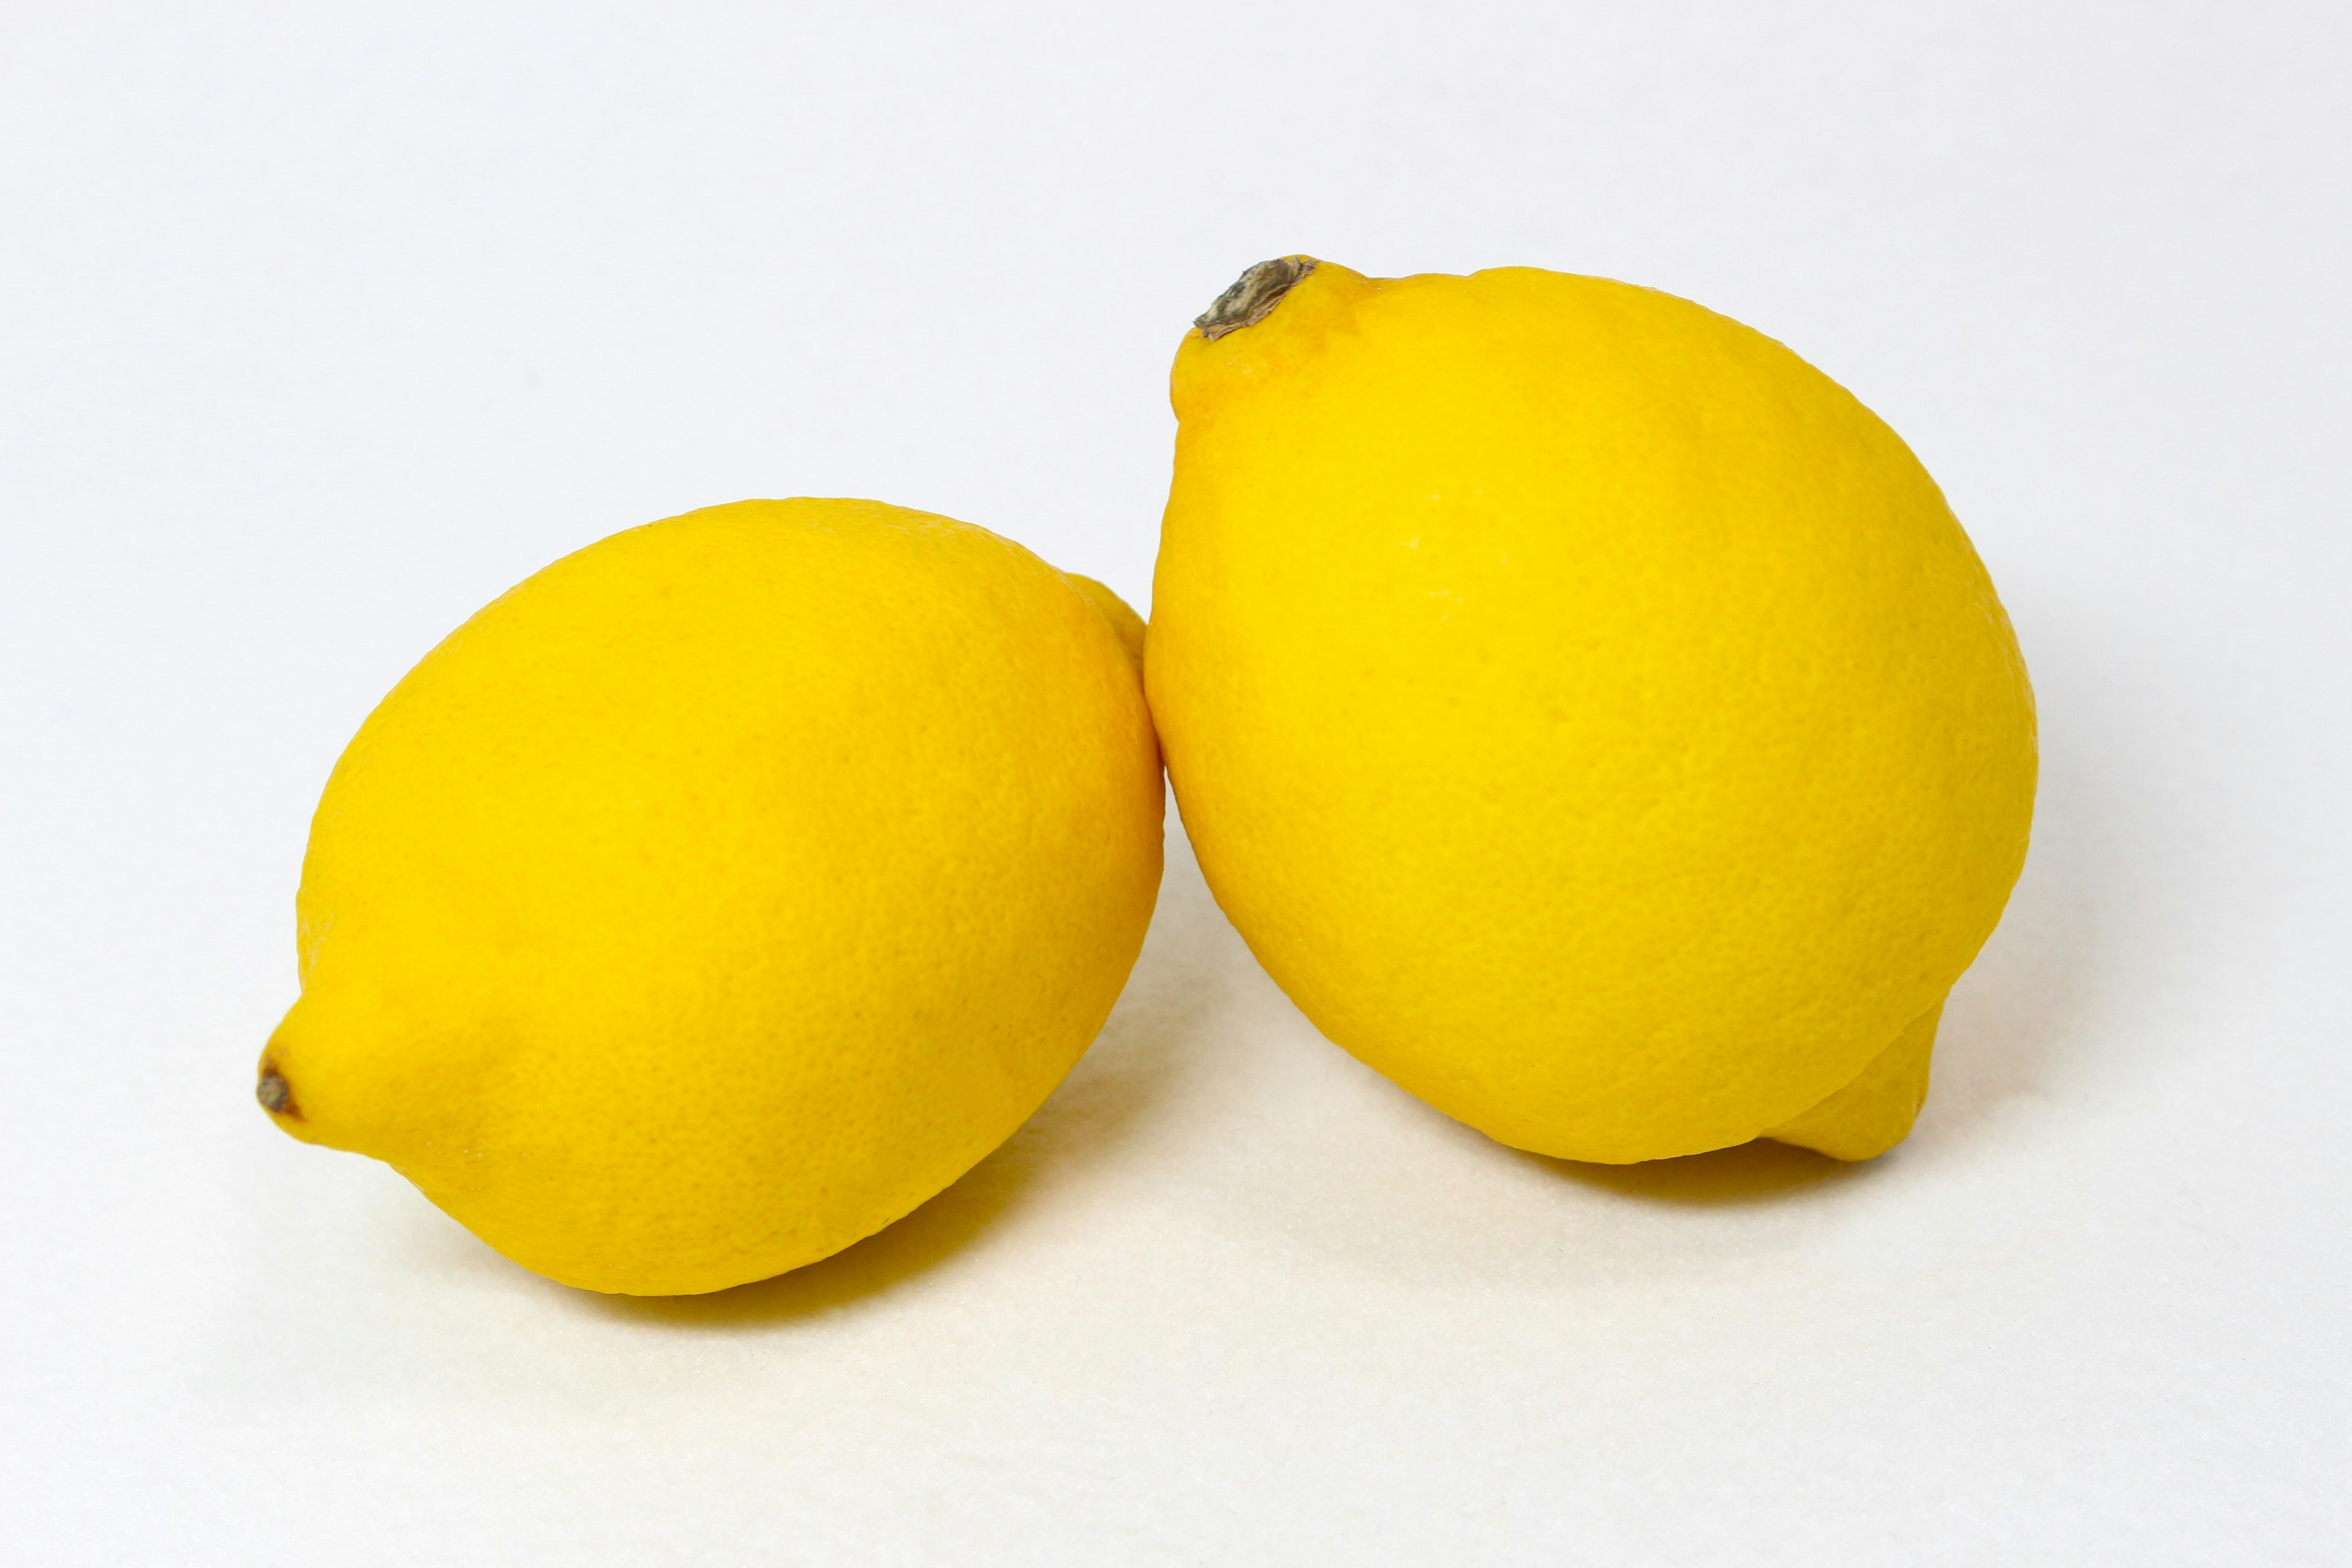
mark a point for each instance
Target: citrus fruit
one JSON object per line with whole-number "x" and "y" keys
{"x": 725, "y": 890}
{"x": 1592, "y": 716}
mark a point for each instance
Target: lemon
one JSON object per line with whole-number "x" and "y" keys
{"x": 1590, "y": 714}
{"x": 725, "y": 890}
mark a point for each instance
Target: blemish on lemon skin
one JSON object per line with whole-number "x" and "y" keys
{"x": 276, "y": 1095}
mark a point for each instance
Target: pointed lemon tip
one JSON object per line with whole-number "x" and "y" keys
{"x": 275, "y": 1094}
{"x": 1875, "y": 1112}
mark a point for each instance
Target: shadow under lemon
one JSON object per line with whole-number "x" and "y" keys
{"x": 2008, "y": 1019}
{"x": 931, "y": 1236}
{"x": 1754, "y": 1172}
{"x": 2011, "y": 1019}
{"x": 1149, "y": 1043}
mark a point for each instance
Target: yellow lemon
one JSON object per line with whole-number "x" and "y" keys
{"x": 1592, "y": 716}
{"x": 725, "y": 890}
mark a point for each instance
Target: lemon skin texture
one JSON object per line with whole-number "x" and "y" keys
{"x": 724, "y": 890}
{"x": 1592, "y": 716}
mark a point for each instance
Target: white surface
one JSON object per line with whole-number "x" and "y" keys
{"x": 321, "y": 326}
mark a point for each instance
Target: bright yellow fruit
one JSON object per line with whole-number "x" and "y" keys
{"x": 725, "y": 890}
{"x": 1592, "y": 715}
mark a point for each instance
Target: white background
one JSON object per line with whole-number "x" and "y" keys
{"x": 321, "y": 325}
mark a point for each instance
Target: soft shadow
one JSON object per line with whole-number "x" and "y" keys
{"x": 1130, "y": 1069}
{"x": 926, "y": 1238}
{"x": 2013, "y": 1017}
{"x": 2015, "y": 1022}
{"x": 1749, "y": 1173}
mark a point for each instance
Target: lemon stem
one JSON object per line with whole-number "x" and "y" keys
{"x": 1254, "y": 296}
{"x": 276, "y": 1097}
